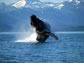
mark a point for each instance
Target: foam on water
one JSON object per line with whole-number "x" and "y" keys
{"x": 30, "y": 38}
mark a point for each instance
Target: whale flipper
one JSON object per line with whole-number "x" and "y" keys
{"x": 52, "y": 35}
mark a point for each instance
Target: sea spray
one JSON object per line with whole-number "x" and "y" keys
{"x": 29, "y": 38}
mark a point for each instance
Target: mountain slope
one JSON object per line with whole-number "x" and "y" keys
{"x": 62, "y": 18}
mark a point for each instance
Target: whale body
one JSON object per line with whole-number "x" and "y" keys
{"x": 41, "y": 28}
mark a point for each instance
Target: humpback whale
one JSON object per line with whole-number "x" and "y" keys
{"x": 42, "y": 29}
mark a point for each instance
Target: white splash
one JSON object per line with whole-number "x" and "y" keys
{"x": 31, "y": 38}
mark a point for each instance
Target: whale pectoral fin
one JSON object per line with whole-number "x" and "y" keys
{"x": 52, "y": 35}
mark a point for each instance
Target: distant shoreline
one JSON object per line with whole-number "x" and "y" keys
{"x": 62, "y": 32}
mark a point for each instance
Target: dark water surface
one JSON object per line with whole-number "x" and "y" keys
{"x": 68, "y": 49}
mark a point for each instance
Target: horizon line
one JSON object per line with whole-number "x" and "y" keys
{"x": 64, "y": 32}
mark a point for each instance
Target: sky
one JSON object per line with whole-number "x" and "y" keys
{"x": 8, "y": 1}
{"x": 13, "y": 1}
{"x": 55, "y": 1}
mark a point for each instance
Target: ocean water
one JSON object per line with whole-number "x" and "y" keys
{"x": 68, "y": 49}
